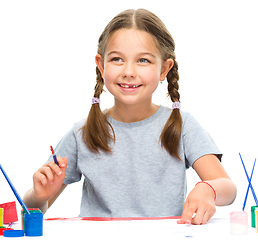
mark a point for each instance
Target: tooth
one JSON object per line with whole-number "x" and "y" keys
{"x": 126, "y": 86}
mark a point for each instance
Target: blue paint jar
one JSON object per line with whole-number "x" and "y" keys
{"x": 32, "y": 210}
{"x": 33, "y": 224}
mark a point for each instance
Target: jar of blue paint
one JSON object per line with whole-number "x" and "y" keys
{"x": 33, "y": 224}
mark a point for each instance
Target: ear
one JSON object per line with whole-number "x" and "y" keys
{"x": 100, "y": 63}
{"x": 166, "y": 67}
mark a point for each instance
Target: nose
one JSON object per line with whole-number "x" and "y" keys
{"x": 129, "y": 71}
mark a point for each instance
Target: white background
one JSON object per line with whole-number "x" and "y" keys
{"x": 47, "y": 77}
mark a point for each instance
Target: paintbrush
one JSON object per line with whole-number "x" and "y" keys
{"x": 54, "y": 156}
{"x": 250, "y": 184}
{"x": 15, "y": 191}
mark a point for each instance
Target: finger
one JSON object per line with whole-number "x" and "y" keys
{"x": 203, "y": 215}
{"x": 58, "y": 169}
{"x": 48, "y": 172}
{"x": 208, "y": 216}
{"x": 183, "y": 221}
{"x": 62, "y": 162}
{"x": 43, "y": 175}
{"x": 54, "y": 168}
{"x": 63, "y": 165}
{"x": 187, "y": 215}
{"x": 199, "y": 217}
{"x": 39, "y": 178}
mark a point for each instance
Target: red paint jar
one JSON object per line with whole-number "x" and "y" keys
{"x": 10, "y": 212}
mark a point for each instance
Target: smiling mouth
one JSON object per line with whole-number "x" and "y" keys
{"x": 129, "y": 85}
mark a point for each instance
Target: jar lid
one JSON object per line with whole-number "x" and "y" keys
{"x": 13, "y": 233}
{"x": 31, "y": 210}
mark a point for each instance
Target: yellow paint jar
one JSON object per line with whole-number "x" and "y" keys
{"x": 256, "y": 215}
{"x": 1, "y": 216}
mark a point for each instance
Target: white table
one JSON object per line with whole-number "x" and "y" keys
{"x": 216, "y": 228}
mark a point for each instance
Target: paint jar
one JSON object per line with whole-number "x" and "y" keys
{"x": 239, "y": 223}
{"x": 253, "y": 215}
{"x": 10, "y": 212}
{"x": 1, "y": 216}
{"x": 33, "y": 223}
{"x": 32, "y": 210}
{"x": 256, "y": 218}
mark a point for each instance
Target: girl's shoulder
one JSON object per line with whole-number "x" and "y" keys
{"x": 189, "y": 121}
{"x": 77, "y": 126}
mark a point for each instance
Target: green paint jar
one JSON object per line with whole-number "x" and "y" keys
{"x": 253, "y": 211}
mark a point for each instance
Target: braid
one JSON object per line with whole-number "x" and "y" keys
{"x": 99, "y": 84}
{"x": 171, "y": 133}
{"x": 96, "y": 131}
{"x": 173, "y": 86}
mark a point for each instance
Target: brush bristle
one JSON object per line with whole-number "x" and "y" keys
{"x": 52, "y": 150}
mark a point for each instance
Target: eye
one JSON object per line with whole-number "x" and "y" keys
{"x": 116, "y": 59}
{"x": 144, "y": 60}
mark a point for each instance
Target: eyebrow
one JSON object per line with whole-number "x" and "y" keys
{"x": 113, "y": 52}
{"x": 141, "y": 53}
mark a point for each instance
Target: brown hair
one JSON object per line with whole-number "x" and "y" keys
{"x": 97, "y": 131}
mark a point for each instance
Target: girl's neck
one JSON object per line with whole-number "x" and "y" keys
{"x": 132, "y": 113}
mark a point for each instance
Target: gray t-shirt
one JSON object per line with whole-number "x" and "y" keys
{"x": 139, "y": 178}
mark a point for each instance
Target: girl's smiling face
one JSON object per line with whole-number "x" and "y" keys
{"x": 132, "y": 66}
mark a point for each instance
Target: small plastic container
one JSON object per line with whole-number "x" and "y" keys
{"x": 256, "y": 215}
{"x": 253, "y": 215}
{"x": 1, "y": 216}
{"x": 10, "y": 212}
{"x": 32, "y": 210}
{"x": 239, "y": 223}
{"x": 33, "y": 224}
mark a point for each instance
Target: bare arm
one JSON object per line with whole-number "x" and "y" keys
{"x": 210, "y": 170}
{"x": 31, "y": 202}
{"x": 200, "y": 200}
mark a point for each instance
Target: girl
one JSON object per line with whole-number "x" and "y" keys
{"x": 133, "y": 156}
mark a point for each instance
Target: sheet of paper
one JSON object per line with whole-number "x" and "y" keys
{"x": 216, "y": 228}
{"x": 144, "y": 229}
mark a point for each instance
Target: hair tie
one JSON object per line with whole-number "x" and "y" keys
{"x": 95, "y": 100}
{"x": 176, "y": 105}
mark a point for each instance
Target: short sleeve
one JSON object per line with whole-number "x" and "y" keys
{"x": 67, "y": 147}
{"x": 196, "y": 141}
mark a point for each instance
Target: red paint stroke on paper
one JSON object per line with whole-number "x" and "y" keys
{"x": 110, "y": 218}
